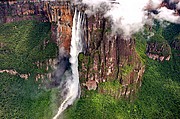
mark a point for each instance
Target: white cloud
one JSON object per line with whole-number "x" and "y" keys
{"x": 129, "y": 16}
{"x": 167, "y": 15}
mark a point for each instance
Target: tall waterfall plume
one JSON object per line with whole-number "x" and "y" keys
{"x": 72, "y": 82}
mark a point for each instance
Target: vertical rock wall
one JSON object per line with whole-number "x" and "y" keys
{"x": 22, "y": 10}
{"x": 110, "y": 64}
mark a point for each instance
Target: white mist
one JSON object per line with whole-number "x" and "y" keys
{"x": 72, "y": 83}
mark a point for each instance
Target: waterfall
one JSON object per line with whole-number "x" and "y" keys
{"x": 72, "y": 81}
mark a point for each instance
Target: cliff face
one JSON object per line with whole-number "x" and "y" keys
{"x": 109, "y": 59}
{"x": 17, "y": 11}
{"x": 110, "y": 64}
{"x": 159, "y": 50}
{"x": 58, "y": 13}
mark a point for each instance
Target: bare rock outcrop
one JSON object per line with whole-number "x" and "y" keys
{"x": 159, "y": 50}
{"x": 15, "y": 73}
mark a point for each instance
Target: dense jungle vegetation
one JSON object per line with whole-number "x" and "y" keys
{"x": 22, "y": 46}
{"x": 159, "y": 96}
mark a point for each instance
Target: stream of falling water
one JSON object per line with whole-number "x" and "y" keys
{"x": 72, "y": 83}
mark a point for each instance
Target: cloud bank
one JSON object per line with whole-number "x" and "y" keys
{"x": 130, "y": 16}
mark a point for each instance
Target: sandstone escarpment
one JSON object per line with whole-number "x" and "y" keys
{"x": 22, "y": 10}
{"x": 110, "y": 63}
{"x": 109, "y": 59}
{"x": 58, "y": 13}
